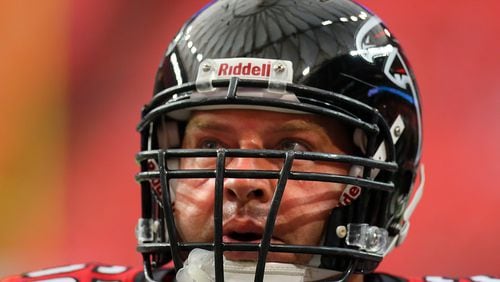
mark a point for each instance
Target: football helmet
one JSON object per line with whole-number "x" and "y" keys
{"x": 329, "y": 58}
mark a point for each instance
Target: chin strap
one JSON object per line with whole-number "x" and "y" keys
{"x": 411, "y": 206}
{"x": 199, "y": 267}
{"x": 399, "y": 239}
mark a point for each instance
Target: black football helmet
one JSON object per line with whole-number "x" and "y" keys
{"x": 330, "y": 58}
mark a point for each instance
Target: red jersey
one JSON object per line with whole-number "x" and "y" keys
{"x": 94, "y": 272}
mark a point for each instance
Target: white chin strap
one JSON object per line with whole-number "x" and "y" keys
{"x": 199, "y": 267}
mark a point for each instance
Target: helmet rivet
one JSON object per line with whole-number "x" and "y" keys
{"x": 341, "y": 231}
{"x": 397, "y": 131}
{"x": 279, "y": 68}
{"x": 206, "y": 67}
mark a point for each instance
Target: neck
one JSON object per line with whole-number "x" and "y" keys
{"x": 356, "y": 278}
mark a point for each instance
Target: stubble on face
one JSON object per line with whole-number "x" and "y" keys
{"x": 305, "y": 205}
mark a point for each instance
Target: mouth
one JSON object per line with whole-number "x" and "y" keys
{"x": 252, "y": 255}
{"x": 246, "y": 230}
{"x": 249, "y": 237}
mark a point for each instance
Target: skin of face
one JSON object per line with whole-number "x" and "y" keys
{"x": 305, "y": 205}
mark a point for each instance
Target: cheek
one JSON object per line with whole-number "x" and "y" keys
{"x": 320, "y": 167}
{"x": 305, "y": 208}
{"x": 194, "y": 207}
{"x": 198, "y": 163}
{"x": 311, "y": 197}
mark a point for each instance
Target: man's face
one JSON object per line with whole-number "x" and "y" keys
{"x": 305, "y": 205}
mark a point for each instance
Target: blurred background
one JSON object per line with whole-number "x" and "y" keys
{"x": 74, "y": 75}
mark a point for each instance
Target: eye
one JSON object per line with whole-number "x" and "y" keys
{"x": 293, "y": 145}
{"x": 210, "y": 144}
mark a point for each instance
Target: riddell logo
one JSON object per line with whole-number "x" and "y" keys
{"x": 250, "y": 69}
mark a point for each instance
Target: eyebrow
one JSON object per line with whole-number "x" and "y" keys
{"x": 299, "y": 125}
{"x": 203, "y": 124}
{"x": 293, "y": 125}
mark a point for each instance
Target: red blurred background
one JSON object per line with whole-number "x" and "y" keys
{"x": 74, "y": 75}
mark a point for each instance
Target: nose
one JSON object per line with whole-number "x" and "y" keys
{"x": 244, "y": 190}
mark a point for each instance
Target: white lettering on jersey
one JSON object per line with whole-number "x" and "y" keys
{"x": 56, "y": 270}
{"x": 437, "y": 279}
{"x": 484, "y": 278}
{"x": 65, "y": 279}
{"x": 116, "y": 269}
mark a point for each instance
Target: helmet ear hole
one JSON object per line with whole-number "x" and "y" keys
{"x": 407, "y": 179}
{"x": 401, "y": 198}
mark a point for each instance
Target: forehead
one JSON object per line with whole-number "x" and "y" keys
{"x": 249, "y": 119}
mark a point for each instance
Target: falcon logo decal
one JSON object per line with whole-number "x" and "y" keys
{"x": 372, "y": 43}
